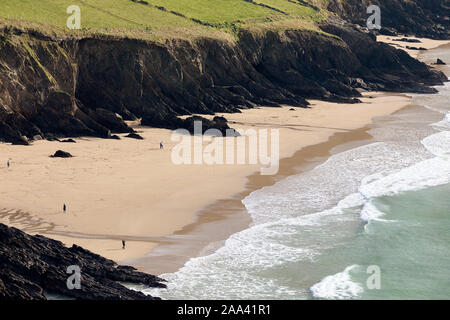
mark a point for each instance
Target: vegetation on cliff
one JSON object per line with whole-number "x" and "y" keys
{"x": 158, "y": 59}
{"x": 88, "y": 86}
{"x": 161, "y": 19}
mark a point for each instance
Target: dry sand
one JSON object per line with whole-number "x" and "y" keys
{"x": 130, "y": 189}
{"x": 424, "y": 43}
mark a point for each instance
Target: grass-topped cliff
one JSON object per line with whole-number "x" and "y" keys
{"x": 155, "y": 19}
{"x": 152, "y": 19}
{"x": 157, "y": 59}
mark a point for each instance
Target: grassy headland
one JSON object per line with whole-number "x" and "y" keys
{"x": 156, "y": 19}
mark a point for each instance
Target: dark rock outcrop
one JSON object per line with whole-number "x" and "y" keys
{"x": 408, "y": 40}
{"x": 416, "y": 48}
{"x": 383, "y": 67}
{"x": 217, "y": 123}
{"x": 134, "y": 136}
{"x": 61, "y": 154}
{"x": 90, "y": 86}
{"x": 440, "y": 62}
{"x": 170, "y": 121}
{"x": 423, "y": 18}
{"x": 110, "y": 120}
{"x": 30, "y": 265}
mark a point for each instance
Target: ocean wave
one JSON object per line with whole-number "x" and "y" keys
{"x": 258, "y": 249}
{"x": 428, "y": 173}
{"x": 338, "y": 286}
{"x": 281, "y": 239}
{"x": 445, "y": 123}
{"x": 370, "y": 212}
{"x": 438, "y": 144}
{"x": 298, "y": 218}
{"x": 330, "y": 182}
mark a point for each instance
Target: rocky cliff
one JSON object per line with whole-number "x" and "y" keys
{"x": 87, "y": 87}
{"x": 423, "y": 18}
{"x": 33, "y": 265}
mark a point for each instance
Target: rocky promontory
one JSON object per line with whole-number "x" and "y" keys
{"x": 31, "y": 267}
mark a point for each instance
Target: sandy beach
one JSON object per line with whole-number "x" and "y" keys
{"x": 131, "y": 189}
{"x": 424, "y": 43}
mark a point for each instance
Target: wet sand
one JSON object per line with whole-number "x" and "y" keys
{"x": 131, "y": 190}
{"x": 424, "y": 43}
{"x": 216, "y": 222}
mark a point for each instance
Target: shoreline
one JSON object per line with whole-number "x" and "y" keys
{"x": 425, "y": 43}
{"x": 217, "y": 221}
{"x": 107, "y": 178}
{"x": 172, "y": 226}
{"x": 230, "y": 213}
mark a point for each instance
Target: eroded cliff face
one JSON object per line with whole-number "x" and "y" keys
{"x": 424, "y": 18}
{"x": 88, "y": 87}
{"x": 38, "y": 79}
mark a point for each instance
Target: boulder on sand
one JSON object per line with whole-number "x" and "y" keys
{"x": 61, "y": 154}
{"x": 440, "y": 62}
{"x": 68, "y": 141}
{"x": 134, "y": 136}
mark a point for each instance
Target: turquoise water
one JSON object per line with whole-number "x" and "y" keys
{"x": 383, "y": 207}
{"x": 410, "y": 244}
{"x": 415, "y": 246}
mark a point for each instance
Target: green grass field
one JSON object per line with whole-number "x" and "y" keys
{"x": 112, "y": 16}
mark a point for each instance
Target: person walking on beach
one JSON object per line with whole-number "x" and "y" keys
{"x": 8, "y": 163}
{"x": 123, "y": 244}
{"x": 161, "y": 145}
{"x": 64, "y": 207}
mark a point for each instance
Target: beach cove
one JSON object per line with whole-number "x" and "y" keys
{"x": 143, "y": 198}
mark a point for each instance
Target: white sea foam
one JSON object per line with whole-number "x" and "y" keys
{"x": 235, "y": 267}
{"x": 282, "y": 235}
{"x": 438, "y": 144}
{"x": 335, "y": 179}
{"x": 337, "y": 286}
{"x": 445, "y": 123}
{"x": 419, "y": 175}
{"x": 260, "y": 248}
{"x": 428, "y": 173}
{"x": 370, "y": 212}
{"x": 293, "y": 221}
